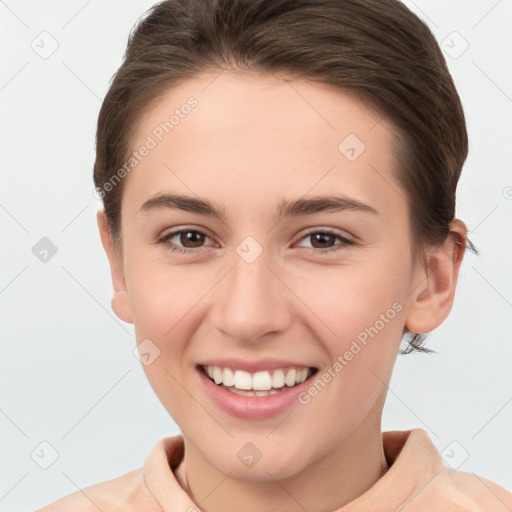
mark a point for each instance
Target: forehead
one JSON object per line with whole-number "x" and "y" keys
{"x": 236, "y": 134}
{"x": 247, "y": 101}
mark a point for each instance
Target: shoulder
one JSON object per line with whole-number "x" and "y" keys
{"x": 118, "y": 494}
{"x": 484, "y": 494}
{"x": 132, "y": 491}
{"x": 456, "y": 490}
{"x": 425, "y": 483}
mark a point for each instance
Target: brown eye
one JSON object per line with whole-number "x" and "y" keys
{"x": 324, "y": 241}
{"x": 183, "y": 240}
{"x": 194, "y": 238}
{"x": 320, "y": 240}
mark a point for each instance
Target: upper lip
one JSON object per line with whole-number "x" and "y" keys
{"x": 254, "y": 366}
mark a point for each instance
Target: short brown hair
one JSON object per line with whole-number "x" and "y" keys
{"x": 378, "y": 49}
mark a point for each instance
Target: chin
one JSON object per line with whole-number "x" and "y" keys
{"x": 266, "y": 465}
{"x": 260, "y": 473}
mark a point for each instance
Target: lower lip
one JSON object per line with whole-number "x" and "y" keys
{"x": 251, "y": 407}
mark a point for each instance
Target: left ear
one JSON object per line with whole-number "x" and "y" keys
{"x": 434, "y": 283}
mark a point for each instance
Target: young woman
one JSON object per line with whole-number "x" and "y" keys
{"x": 279, "y": 182}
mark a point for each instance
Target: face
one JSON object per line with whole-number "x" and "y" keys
{"x": 255, "y": 275}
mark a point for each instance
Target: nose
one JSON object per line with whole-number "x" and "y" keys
{"x": 252, "y": 300}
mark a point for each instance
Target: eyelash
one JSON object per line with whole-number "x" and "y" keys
{"x": 344, "y": 241}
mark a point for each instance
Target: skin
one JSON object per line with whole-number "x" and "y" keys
{"x": 252, "y": 141}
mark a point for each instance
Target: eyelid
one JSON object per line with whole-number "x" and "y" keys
{"x": 331, "y": 231}
{"x": 185, "y": 227}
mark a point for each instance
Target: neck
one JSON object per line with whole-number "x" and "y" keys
{"x": 324, "y": 486}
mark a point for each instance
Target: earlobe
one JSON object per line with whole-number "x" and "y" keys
{"x": 434, "y": 284}
{"x": 120, "y": 299}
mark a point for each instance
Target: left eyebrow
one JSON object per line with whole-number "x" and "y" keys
{"x": 296, "y": 208}
{"x": 319, "y": 204}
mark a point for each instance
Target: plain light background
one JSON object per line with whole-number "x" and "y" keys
{"x": 68, "y": 375}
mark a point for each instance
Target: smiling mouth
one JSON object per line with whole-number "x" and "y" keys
{"x": 262, "y": 383}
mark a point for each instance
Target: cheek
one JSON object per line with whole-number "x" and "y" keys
{"x": 347, "y": 301}
{"x": 163, "y": 294}
{"x": 359, "y": 318}
{"x": 164, "y": 302}
{"x": 165, "y": 308}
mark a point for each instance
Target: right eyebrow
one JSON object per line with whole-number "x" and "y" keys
{"x": 186, "y": 203}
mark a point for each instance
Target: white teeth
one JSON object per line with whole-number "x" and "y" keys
{"x": 242, "y": 392}
{"x": 278, "y": 379}
{"x": 228, "y": 377}
{"x": 242, "y": 380}
{"x": 217, "y": 374}
{"x": 290, "y": 377}
{"x": 260, "y": 383}
{"x": 245, "y": 392}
